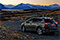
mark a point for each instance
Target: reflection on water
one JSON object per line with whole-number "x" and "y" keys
{"x": 11, "y": 9}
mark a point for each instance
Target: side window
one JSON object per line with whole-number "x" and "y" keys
{"x": 30, "y": 21}
{"x": 34, "y": 20}
{"x": 37, "y": 20}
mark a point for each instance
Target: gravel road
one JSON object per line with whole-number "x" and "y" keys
{"x": 16, "y": 25}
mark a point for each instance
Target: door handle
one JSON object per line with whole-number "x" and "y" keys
{"x": 30, "y": 23}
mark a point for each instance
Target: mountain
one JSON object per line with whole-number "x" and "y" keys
{"x": 54, "y": 5}
{"x": 58, "y": 7}
{"x": 23, "y": 6}
{"x": 29, "y": 6}
{"x": 26, "y": 6}
{"x": 2, "y": 6}
{"x": 9, "y": 6}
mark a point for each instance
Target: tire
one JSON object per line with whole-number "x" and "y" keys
{"x": 56, "y": 33}
{"x": 52, "y": 32}
{"x": 23, "y": 29}
{"x": 39, "y": 31}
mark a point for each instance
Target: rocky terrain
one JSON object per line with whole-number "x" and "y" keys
{"x": 22, "y": 14}
{"x": 10, "y": 24}
{"x": 11, "y": 31}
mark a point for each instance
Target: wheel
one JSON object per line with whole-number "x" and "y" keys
{"x": 23, "y": 29}
{"x": 56, "y": 33}
{"x": 39, "y": 31}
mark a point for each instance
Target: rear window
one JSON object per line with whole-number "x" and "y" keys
{"x": 48, "y": 20}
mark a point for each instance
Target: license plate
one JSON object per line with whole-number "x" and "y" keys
{"x": 52, "y": 24}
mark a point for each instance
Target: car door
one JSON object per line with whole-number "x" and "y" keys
{"x": 34, "y": 24}
{"x": 28, "y": 24}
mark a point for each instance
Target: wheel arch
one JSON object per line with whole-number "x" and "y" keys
{"x": 22, "y": 26}
{"x": 38, "y": 27}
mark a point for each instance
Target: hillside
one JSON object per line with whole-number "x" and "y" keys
{"x": 23, "y": 6}
{"x": 2, "y": 6}
{"x": 21, "y": 14}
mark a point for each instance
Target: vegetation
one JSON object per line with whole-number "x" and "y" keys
{"x": 21, "y": 14}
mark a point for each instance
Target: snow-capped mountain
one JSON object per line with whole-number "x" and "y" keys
{"x": 26, "y": 6}
{"x": 58, "y": 7}
{"x": 23, "y": 6}
{"x": 9, "y": 6}
{"x": 29, "y": 6}
{"x": 54, "y": 5}
{"x": 2, "y": 6}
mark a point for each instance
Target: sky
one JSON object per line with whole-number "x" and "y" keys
{"x": 35, "y": 2}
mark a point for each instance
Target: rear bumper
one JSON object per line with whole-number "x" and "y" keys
{"x": 51, "y": 28}
{"x": 48, "y": 31}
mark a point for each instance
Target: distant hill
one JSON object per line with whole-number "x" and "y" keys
{"x": 9, "y": 6}
{"x": 30, "y": 6}
{"x": 54, "y": 5}
{"x": 23, "y": 6}
{"x": 2, "y": 6}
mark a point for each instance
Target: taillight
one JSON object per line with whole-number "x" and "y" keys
{"x": 56, "y": 22}
{"x": 46, "y": 23}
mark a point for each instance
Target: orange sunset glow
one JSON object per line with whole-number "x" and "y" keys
{"x": 35, "y": 2}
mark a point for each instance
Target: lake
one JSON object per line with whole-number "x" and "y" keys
{"x": 12, "y": 9}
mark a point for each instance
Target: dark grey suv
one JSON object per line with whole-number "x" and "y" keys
{"x": 40, "y": 25}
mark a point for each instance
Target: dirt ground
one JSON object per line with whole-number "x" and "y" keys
{"x": 11, "y": 31}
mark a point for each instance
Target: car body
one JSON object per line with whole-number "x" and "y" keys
{"x": 40, "y": 25}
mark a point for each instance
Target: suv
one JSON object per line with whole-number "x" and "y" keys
{"x": 40, "y": 25}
